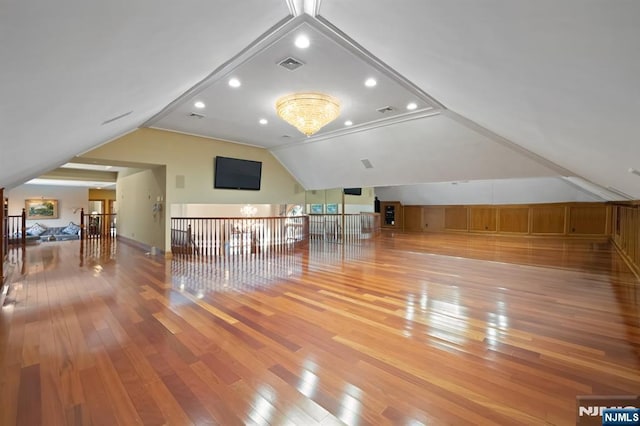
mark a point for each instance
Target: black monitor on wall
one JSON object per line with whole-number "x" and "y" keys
{"x": 352, "y": 191}
{"x": 235, "y": 173}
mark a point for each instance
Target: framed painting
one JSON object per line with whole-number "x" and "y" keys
{"x": 332, "y": 209}
{"x": 41, "y": 208}
{"x": 316, "y": 208}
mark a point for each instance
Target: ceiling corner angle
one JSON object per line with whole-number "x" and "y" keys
{"x": 300, "y": 7}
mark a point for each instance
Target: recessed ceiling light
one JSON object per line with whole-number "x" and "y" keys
{"x": 263, "y": 121}
{"x": 199, "y": 104}
{"x": 370, "y": 82}
{"x": 302, "y": 42}
{"x": 348, "y": 123}
{"x": 411, "y": 106}
{"x": 234, "y": 82}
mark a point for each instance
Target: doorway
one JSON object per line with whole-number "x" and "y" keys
{"x": 96, "y": 206}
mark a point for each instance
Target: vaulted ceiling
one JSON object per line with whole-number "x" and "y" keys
{"x": 504, "y": 89}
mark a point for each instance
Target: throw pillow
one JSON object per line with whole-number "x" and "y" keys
{"x": 36, "y": 230}
{"x": 71, "y": 229}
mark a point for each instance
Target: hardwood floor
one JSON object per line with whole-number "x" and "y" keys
{"x": 409, "y": 329}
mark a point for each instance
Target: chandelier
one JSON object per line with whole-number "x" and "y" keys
{"x": 248, "y": 211}
{"x": 308, "y": 112}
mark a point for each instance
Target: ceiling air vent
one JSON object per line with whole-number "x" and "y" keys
{"x": 196, "y": 115}
{"x": 385, "y": 109}
{"x": 291, "y": 64}
{"x": 366, "y": 163}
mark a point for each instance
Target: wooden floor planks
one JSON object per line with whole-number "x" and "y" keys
{"x": 407, "y": 329}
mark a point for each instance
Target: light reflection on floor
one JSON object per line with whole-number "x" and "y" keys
{"x": 248, "y": 272}
{"x": 234, "y": 273}
{"x": 94, "y": 251}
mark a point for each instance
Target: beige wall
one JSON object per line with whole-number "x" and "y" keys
{"x": 189, "y": 159}
{"x": 70, "y": 199}
{"x": 360, "y": 203}
{"x": 102, "y": 194}
{"x": 137, "y": 219}
{"x": 352, "y": 203}
{"x": 225, "y": 210}
{"x": 192, "y": 157}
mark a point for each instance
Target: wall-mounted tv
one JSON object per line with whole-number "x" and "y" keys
{"x": 352, "y": 191}
{"x": 234, "y": 173}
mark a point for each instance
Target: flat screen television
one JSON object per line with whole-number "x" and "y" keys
{"x": 234, "y": 173}
{"x": 352, "y": 191}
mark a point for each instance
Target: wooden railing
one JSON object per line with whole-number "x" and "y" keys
{"x": 12, "y": 233}
{"x": 350, "y": 228}
{"x": 97, "y": 226}
{"x": 626, "y": 232}
{"x": 16, "y": 231}
{"x": 4, "y": 241}
{"x": 211, "y": 237}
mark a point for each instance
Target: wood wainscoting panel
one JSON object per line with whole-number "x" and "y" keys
{"x": 513, "y": 220}
{"x": 633, "y": 235}
{"x": 4, "y": 244}
{"x": 626, "y": 233}
{"x": 548, "y": 219}
{"x": 588, "y": 220}
{"x": 570, "y": 219}
{"x": 433, "y": 218}
{"x": 456, "y": 218}
{"x": 635, "y": 253}
{"x": 483, "y": 219}
{"x": 413, "y": 219}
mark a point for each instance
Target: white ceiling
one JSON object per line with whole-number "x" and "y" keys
{"x": 69, "y": 66}
{"x": 522, "y": 89}
{"x": 97, "y": 176}
{"x": 331, "y": 64}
